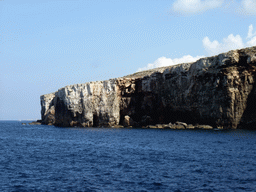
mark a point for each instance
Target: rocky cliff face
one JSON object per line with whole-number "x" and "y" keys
{"x": 219, "y": 91}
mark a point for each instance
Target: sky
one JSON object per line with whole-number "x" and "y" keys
{"x": 48, "y": 44}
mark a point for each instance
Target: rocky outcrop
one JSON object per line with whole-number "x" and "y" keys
{"x": 217, "y": 91}
{"x": 86, "y": 105}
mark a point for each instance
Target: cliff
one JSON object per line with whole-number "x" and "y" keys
{"x": 218, "y": 91}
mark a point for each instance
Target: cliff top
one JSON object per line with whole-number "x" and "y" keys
{"x": 200, "y": 62}
{"x": 151, "y": 71}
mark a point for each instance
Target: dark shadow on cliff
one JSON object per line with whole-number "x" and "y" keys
{"x": 95, "y": 120}
{"x": 248, "y": 120}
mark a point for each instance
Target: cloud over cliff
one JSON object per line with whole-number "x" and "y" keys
{"x": 231, "y": 42}
{"x": 163, "y": 61}
{"x": 211, "y": 47}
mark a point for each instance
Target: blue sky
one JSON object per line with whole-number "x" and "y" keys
{"x": 48, "y": 44}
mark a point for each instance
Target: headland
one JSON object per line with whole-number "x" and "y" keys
{"x": 216, "y": 91}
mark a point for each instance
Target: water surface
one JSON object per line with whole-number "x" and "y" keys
{"x": 48, "y": 158}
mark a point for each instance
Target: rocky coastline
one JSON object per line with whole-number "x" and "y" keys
{"x": 176, "y": 125}
{"x": 213, "y": 92}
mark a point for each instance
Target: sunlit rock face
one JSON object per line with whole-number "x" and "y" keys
{"x": 48, "y": 109}
{"x": 86, "y": 105}
{"x": 217, "y": 91}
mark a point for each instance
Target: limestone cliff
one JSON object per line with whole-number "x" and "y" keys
{"x": 219, "y": 91}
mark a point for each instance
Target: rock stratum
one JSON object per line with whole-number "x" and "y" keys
{"x": 218, "y": 91}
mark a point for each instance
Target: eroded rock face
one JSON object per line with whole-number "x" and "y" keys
{"x": 48, "y": 109}
{"x": 87, "y": 105}
{"x": 217, "y": 91}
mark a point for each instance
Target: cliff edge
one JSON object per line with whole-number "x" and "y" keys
{"x": 218, "y": 91}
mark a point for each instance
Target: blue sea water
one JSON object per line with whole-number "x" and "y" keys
{"x": 48, "y": 158}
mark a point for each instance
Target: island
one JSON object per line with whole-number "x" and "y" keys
{"x": 217, "y": 91}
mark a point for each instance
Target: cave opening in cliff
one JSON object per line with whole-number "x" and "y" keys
{"x": 95, "y": 120}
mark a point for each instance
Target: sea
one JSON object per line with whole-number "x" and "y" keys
{"x": 49, "y": 158}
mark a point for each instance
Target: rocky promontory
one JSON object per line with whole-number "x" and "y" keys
{"x": 218, "y": 91}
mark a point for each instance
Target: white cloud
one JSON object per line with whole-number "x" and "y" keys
{"x": 188, "y": 7}
{"x": 250, "y": 32}
{"x": 163, "y": 61}
{"x": 251, "y": 37}
{"x": 212, "y": 47}
{"x": 251, "y": 42}
{"x": 229, "y": 43}
{"x": 249, "y": 7}
{"x": 195, "y": 6}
